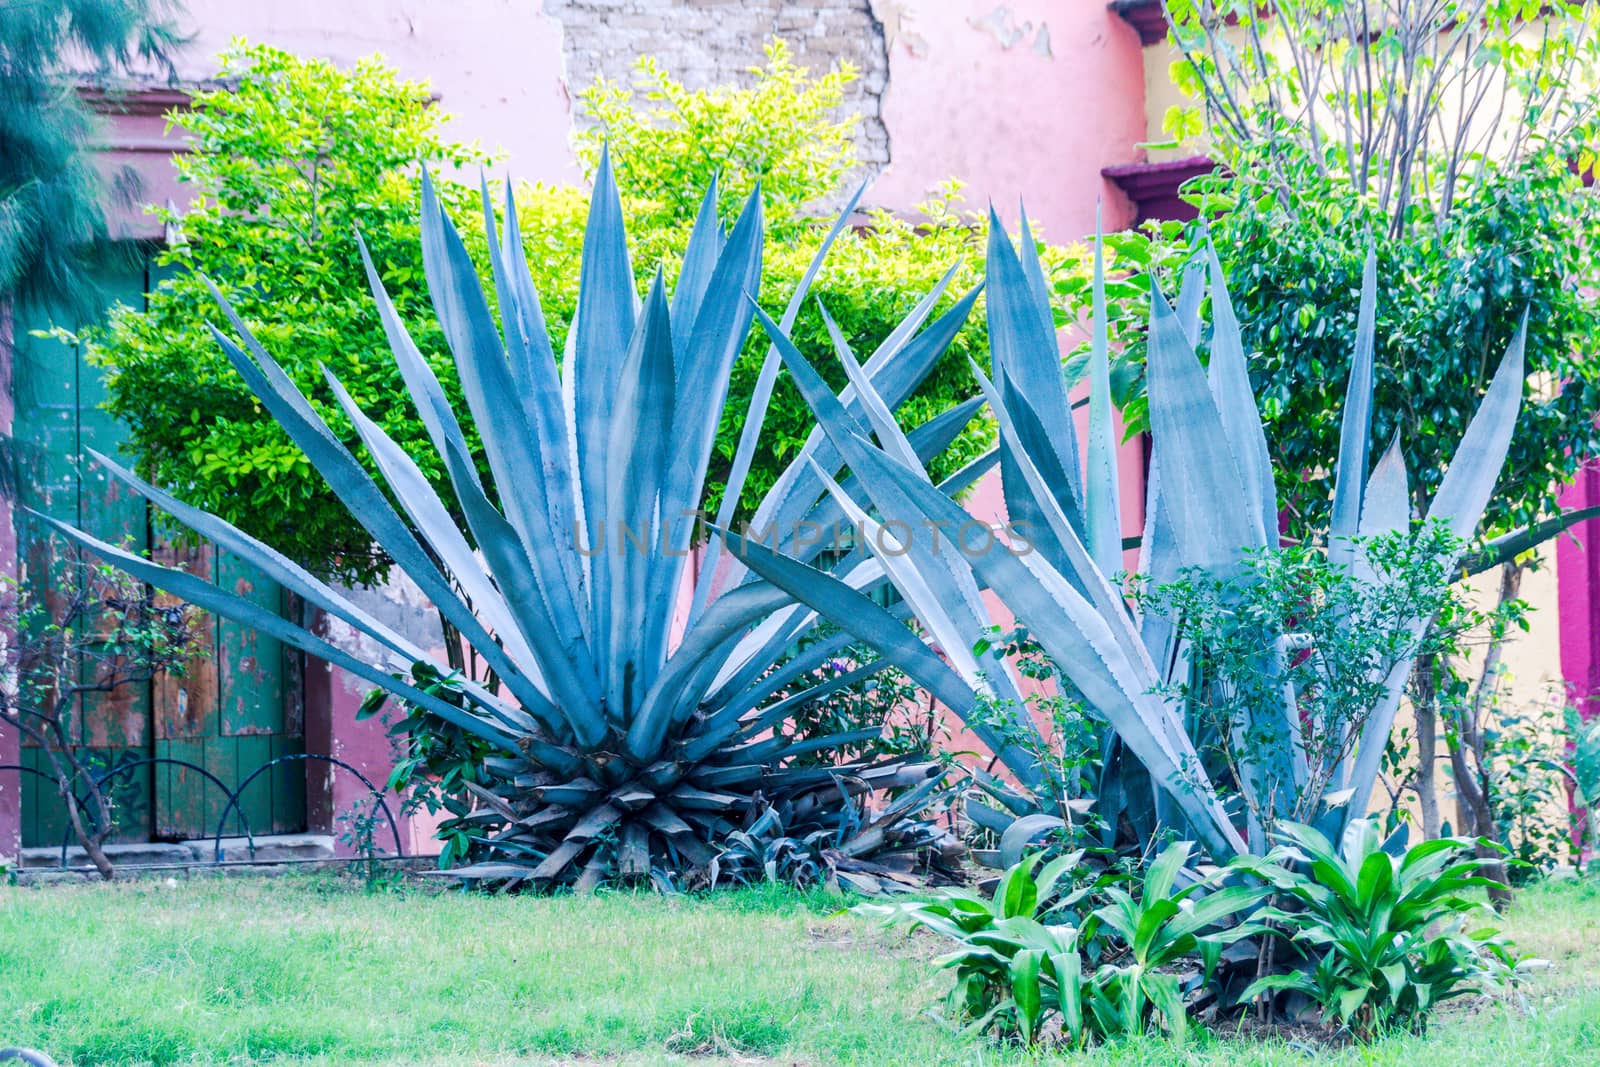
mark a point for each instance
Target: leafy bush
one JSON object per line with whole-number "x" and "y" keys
{"x": 1051, "y": 722}
{"x": 1476, "y": 206}
{"x": 297, "y": 155}
{"x": 1528, "y": 747}
{"x": 1385, "y": 937}
{"x": 1018, "y": 963}
{"x": 1151, "y": 936}
{"x": 1584, "y": 737}
{"x": 286, "y": 165}
{"x": 784, "y": 132}
{"x": 1351, "y": 624}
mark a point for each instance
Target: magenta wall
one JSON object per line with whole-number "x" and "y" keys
{"x": 1578, "y": 579}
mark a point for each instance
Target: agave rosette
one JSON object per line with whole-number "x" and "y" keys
{"x": 1210, "y": 501}
{"x": 629, "y": 736}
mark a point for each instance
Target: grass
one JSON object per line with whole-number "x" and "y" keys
{"x": 312, "y": 969}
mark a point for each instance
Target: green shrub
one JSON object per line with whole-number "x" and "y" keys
{"x": 784, "y": 131}
{"x": 285, "y": 167}
{"x": 298, "y": 155}
{"x": 1019, "y": 947}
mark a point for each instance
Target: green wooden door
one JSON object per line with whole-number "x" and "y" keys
{"x": 236, "y": 707}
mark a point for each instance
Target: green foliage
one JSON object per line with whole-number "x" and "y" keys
{"x": 1584, "y": 737}
{"x": 1349, "y": 630}
{"x": 298, "y": 156}
{"x": 1475, "y": 205}
{"x": 52, "y": 192}
{"x": 1526, "y": 754}
{"x": 670, "y": 142}
{"x": 1165, "y": 926}
{"x": 1454, "y": 288}
{"x": 853, "y": 690}
{"x": 1052, "y": 723}
{"x": 286, "y": 165}
{"x": 1018, "y": 964}
{"x": 1385, "y": 936}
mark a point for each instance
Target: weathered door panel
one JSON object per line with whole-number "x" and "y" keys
{"x": 233, "y": 708}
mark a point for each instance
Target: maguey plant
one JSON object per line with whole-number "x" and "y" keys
{"x": 623, "y": 737}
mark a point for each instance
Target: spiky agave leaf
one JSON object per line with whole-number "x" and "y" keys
{"x": 1210, "y": 500}
{"x": 622, "y": 746}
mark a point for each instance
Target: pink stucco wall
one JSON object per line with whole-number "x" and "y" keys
{"x": 1029, "y": 99}
{"x": 495, "y": 64}
{"x": 978, "y": 89}
{"x": 1578, "y": 581}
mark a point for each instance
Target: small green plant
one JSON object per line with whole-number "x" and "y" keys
{"x": 1385, "y": 937}
{"x": 93, "y": 633}
{"x": 1018, "y": 964}
{"x": 1034, "y": 951}
{"x": 1151, "y": 936}
{"x": 1584, "y": 737}
{"x": 1526, "y": 749}
{"x": 1346, "y": 626}
{"x": 762, "y": 853}
{"x": 359, "y": 830}
{"x": 1051, "y": 722}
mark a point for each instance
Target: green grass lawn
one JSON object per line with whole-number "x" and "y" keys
{"x": 312, "y": 969}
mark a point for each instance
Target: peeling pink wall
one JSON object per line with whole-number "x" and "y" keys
{"x": 1028, "y": 98}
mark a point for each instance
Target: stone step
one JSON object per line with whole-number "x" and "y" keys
{"x": 270, "y": 848}
{"x": 136, "y": 854}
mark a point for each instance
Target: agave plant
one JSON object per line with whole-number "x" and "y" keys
{"x": 626, "y": 738}
{"x": 1211, "y": 502}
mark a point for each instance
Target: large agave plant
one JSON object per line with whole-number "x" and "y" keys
{"x": 1211, "y": 499}
{"x": 627, "y": 737}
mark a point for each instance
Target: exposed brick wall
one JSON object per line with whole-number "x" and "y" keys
{"x": 707, "y": 42}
